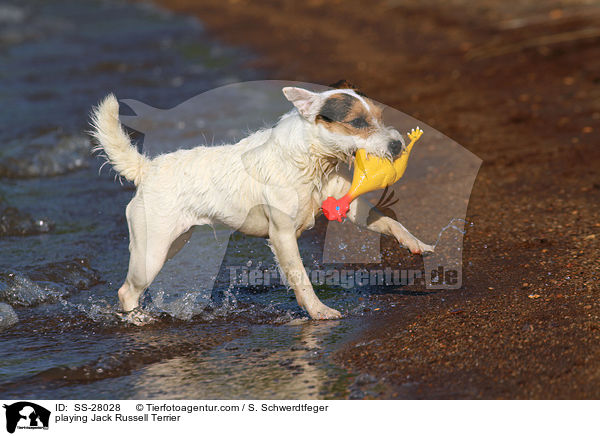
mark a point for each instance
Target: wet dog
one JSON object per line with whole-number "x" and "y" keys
{"x": 270, "y": 184}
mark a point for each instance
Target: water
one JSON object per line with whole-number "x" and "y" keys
{"x": 63, "y": 235}
{"x": 452, "y": 226}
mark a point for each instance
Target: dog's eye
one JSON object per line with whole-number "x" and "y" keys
{"x": 359, "y": 123}
{"x": 324, "y": 118}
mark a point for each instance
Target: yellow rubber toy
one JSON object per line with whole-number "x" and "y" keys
{"x": 370, "y": 173}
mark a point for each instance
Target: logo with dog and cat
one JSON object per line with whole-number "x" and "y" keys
{"x": 25, "y": 415}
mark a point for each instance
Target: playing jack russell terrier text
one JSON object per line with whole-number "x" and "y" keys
{"x": 270, "y": 184}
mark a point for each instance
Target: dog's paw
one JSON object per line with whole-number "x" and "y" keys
{"x": 324, "y": 312}
{"x": 426, "y": 248}
{"x": 417, "y": 247}
{"x": 137, "y": 317}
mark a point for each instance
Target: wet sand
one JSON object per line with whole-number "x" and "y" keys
{"x": 516, "y": 83}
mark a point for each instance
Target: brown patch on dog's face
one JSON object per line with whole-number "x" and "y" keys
{"x": 345, "y": 114}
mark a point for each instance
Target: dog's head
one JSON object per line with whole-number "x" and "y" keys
{"x": 343, "y": 120}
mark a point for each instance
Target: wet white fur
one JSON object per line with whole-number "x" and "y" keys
{"x": 269, "y": 184}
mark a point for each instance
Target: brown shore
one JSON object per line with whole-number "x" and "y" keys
{"x": 518, "y": 84}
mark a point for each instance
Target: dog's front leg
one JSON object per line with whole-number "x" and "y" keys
{"x": 284, "y": 244}
{"x": 364, "y": 214}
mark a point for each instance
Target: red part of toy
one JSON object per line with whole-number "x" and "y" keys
{"x": 336, "y": 209}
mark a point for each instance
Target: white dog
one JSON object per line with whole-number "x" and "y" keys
{"x": 270, "y": 184}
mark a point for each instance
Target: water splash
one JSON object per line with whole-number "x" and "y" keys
{"x": 451, "y": 225}
{"x": 99, "y": 311}
{"x": 19, "y": 290}
{"x": 183, "y": 307}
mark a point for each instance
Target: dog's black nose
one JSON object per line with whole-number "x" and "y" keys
{"x": 395, "y": 147}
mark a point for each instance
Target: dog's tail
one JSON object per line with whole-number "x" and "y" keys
{"x": 111, "y": 138}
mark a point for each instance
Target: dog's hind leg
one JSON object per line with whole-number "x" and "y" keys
{"x": 151, "y": 236}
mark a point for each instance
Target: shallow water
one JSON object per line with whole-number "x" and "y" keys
{"x": 60, "y": 274}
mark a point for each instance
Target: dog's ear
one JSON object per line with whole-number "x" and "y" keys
{"x": 305, "y": 101}
{"x": 344, "y": 84}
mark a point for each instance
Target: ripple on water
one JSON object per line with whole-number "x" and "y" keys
{"x": 46, "y": 283}
{"x": 8, "y": 316}
{"x": 47, "y": 155}
{"x": 14, "y": 222}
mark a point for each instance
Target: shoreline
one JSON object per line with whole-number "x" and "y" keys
{"x": 525, "y": 322}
